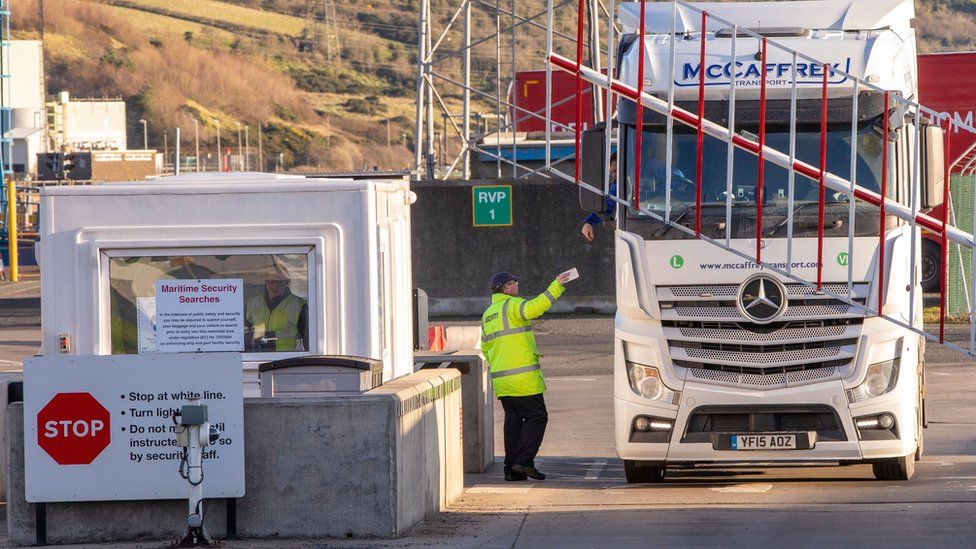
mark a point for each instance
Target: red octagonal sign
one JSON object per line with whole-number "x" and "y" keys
{"x": 73, "y": 428}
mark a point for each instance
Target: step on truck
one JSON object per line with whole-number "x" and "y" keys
{"x": 720, "y": 357}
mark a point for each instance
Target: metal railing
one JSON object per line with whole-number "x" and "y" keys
{"x": 909, "y": 212}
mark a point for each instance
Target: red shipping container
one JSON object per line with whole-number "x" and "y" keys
{"x": 947, "y": 83}
{"x": 529, "y": 94}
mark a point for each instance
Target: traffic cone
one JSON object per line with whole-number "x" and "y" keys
{"x": 435, "y": 338}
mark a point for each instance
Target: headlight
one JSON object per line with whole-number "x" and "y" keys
{"x": 646, "y": 382}
{"x": 881, "y": 379}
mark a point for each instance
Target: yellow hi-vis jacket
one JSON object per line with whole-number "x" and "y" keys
{"x": 508, "y": 343}
{"x": 283, "y": 320}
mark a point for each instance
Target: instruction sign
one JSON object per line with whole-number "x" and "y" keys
{"x": 199, "y": 315}
{"x": 101, "y": 428}
{"x": 146, "y": 324}
{"x": 491, "y": 206}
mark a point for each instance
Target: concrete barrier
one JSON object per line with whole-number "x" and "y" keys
{"x": 478, "y": 425}
{"x": 370, "y": 465}
{"x": 6, "y": 378}
{"x": 457, "y": 338}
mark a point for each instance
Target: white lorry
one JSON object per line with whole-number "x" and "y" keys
{"x": 718, "y": 360}
{"x": 342, "y": 247}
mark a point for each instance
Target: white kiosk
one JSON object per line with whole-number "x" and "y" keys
{"x": 175, "y": 265}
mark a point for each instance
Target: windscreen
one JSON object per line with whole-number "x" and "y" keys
{"x": 744, "y": 179}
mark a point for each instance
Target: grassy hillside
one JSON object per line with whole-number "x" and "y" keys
{"x": 266, "y": 62}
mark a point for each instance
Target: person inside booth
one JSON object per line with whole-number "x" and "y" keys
{"x": 276, "y": 319}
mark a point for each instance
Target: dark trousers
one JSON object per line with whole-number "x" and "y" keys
{"x": 525, "y": 425}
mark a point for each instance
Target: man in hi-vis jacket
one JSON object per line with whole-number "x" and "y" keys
{"x": 516, "y": 375}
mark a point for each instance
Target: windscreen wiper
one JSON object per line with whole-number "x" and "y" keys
{"x": 838, "y": 222}
{"x": 675, "y": 220}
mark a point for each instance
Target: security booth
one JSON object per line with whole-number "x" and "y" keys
{"x": 301, "y": 286}
{"x": 272, "y": 266}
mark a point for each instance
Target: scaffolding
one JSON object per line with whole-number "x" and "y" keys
{"x": 910, "y": 213}
{"x": 575, "y": 49}
{"x": 486, "y": 122}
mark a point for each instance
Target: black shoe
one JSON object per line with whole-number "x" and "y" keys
{"x": 529, "y": 471}
{"x": 515, "y": 477}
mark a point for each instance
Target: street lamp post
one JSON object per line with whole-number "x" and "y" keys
{"x": 196, "y": 137}
{"x": 145, "y": 134}
{"x": 247, "y": 150}
{"x": 239, "y": 145}
{"x": 220, "y": 159}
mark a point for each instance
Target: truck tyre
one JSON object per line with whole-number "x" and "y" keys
{"x": 643, "y": 472}
{"x": 931, "y": 266}
{"x": 902, "y": 468}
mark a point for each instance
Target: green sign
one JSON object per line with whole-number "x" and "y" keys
{"x": 676, "y": 262}
{"x": 491, "y": 206}
{"x": 843, "y": 258}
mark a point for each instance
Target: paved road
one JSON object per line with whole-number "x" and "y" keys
{"x": 586, "y": 502}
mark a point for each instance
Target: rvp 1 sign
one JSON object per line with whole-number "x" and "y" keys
{"x": 491, "y": 206}
{"x": 100, "y": 428}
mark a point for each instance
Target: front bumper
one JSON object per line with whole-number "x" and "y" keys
{"x": 838, "y": 443}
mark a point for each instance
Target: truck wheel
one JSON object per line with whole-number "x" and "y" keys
{"x": 931, "y": 266}
{"x": 642, "y": 472}
{"x": 902, "y": 468}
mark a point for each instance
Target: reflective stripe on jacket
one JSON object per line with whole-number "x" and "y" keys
{"x": 283, "y": 320}
{"x": 509, "y": 345}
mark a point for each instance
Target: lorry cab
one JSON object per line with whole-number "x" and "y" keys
{"x": 115, "y": 255}
{"x": 720, "y": 359}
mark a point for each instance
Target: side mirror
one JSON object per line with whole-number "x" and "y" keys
{"x": 933, "y": 166}
{"x": 591, "y": 169}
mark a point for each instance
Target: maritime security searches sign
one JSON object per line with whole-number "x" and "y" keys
{"x": 199, "y": 315}
{"x": 748, "y": 73}
{"x": 101, "y": 428}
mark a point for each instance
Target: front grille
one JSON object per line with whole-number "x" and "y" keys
{"x": 815, "y": 339}
{"x": 739, "y": 420}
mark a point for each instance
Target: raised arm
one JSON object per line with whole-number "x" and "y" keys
{"x": 534, "y": 308}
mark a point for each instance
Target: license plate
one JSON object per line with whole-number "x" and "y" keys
{"x": 763, "y": 442}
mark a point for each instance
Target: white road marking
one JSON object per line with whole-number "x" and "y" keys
{"x": 14, "y": 362}
{"x": 594, "y": 471}
{"x": 479, "y": 489}
{"x": 570, "y": 379}
{"x": 744, "y": 489}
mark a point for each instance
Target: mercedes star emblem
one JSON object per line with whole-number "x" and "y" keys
{"x": 761, "y": 298}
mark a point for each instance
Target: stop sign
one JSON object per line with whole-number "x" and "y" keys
{"x": 73, "y": 428}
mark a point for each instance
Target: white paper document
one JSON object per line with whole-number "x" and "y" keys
{"x": 572, "y": 273}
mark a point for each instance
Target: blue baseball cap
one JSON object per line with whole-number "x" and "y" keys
{"x": 499, "y": 280}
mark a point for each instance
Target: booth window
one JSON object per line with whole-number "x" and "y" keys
{"x": 272, "y": 315}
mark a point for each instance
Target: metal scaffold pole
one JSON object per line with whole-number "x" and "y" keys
{"x": 421, "y": 89}
{"x": 466, "y": 97}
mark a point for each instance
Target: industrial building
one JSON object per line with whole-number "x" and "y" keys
{"x": 25, "y": 98}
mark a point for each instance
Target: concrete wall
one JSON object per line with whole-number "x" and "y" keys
{"x": 478, "y": 422}
{"x": 453, "y": 261}
{"x": 6, "y": 379}
{"x": 371, "y": 465}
